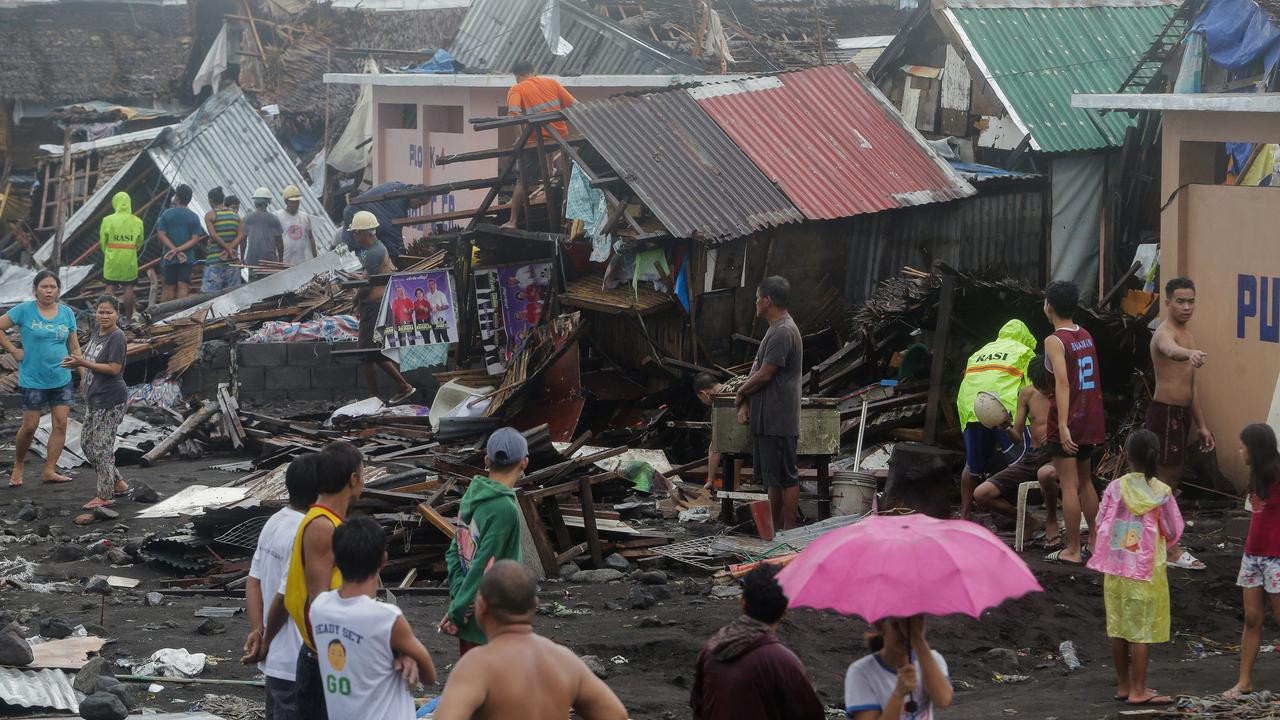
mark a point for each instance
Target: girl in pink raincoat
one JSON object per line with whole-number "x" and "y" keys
{"x": 1138, "y": 521}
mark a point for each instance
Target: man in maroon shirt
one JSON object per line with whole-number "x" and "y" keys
{"x": 1076, "y": 423}
{"x": 744, "y": 672}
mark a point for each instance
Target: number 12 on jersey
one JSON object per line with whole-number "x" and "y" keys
{"x": 1087, "y": 375}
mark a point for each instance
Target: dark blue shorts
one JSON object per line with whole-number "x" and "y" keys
{"x": 980, "y": 442}
{"x": 43, "y": 399}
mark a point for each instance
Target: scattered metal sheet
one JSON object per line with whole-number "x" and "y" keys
{"x": 656, "y": 458}
{"x": 38, "y": 688}
{"x": 273, "y": 285}
{"x": 192, "y": 500}
{"x": 218, "y": 612}
{"x": 15, "y": 281}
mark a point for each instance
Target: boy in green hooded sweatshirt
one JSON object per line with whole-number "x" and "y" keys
{"x": 121, "y": 236}
{"x": 489, "y": 531}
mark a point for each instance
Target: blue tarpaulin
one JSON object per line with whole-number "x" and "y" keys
{"x": 442, "y": 63}
{"x": 1237, "y": 33}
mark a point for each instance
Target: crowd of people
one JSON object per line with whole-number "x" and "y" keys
{"x": 221, "y": 244}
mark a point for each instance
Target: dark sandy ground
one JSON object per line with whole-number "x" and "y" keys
{"x": 659, "y": 656}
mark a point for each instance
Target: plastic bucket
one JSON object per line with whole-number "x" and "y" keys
{"x": 763, "y": 516}
{"x": 852, "y": 493}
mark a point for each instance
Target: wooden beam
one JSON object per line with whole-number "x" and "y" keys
{"x": 429, "y": 190}
{"x": 538, "y": 531}
{"x": 945, "y": 306}
{"x": 436, "y": 519}
{"x": 535, "y": 119}
{"x": 589, "y": 521}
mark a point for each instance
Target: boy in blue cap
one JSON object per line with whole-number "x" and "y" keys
{"x": 488, "y": 531}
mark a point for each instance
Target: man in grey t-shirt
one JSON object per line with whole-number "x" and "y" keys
{"x": 263, "y": 234}
{"x": 770, "y": 401}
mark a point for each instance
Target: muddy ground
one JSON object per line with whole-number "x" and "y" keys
{"x": 659, "y": 645}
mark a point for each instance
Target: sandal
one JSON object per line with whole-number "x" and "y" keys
{"x": 1153, "y": 700}
{"x": 397, "y": 399}
{"x": 1056, "y": 557}
{"x": 97, "y": 503}
{"x": 1187, "y": 561}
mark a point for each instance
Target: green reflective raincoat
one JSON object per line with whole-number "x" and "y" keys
{"x": 121, "y": 238}
{"x": 999, "y": 368}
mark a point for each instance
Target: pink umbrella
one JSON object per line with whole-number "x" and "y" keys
{"x": 905, "y": 565}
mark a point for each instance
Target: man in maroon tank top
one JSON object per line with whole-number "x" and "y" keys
{"x": 1076, "y": 422}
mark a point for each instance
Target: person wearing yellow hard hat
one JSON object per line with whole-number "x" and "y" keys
{"x": 299, "y": 237}
{"x": 375, "y": 261}
{"x": 998, "y": 369}
{"x": 263, "y": 235}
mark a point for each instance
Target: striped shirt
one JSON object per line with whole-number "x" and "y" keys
{"x": 226, "y": 224}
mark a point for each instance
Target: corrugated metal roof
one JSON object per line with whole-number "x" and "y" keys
{"x": 38, "y": 688}
{"x": 496, "y": 34}
{"x": 224, "y": 142}
{"x": 682, "y": 166}
{"x": 831, "y": 142}
{"x": 1037, "y": 54}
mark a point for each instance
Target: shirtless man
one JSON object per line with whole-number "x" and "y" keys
{"x": 996, "y": 492}
{"x": 519, "y": 674}
{"x": 1176, "y": 403}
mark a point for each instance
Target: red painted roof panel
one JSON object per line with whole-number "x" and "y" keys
{"x": 831, "y": 142}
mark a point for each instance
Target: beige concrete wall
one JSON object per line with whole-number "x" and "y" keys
{"x": 1227, "y": 239}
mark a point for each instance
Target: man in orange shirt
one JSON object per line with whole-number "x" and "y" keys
{"x": 529, "y": 96}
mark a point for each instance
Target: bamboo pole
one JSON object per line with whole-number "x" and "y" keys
{"x": 64, "y": 183}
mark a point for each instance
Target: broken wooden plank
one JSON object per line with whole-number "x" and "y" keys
{"x": 538, "y": 531}
{"x": 439, "y": 521}
{"x": 589, "y": 521}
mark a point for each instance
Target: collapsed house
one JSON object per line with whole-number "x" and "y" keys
{"x": 225, "y": 142}
{"x": 999, "y": 76}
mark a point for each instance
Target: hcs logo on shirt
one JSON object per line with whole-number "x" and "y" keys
{"x": 59, "y": 331}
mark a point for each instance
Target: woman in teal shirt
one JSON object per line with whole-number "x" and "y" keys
{"x": 48, "y": 330}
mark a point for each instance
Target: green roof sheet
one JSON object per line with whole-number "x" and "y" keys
{"x": 1037, "y": 54}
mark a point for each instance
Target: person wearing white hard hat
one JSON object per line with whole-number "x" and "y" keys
{"x": 998, "y": 368}
{"x": 263, "y": 234}
{"x": 375, "y": 261}
{"x": 299, "y": 238}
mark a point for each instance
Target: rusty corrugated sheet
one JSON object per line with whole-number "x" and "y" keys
{"x": 684, "y": 168}
{"x": 831, "y": 142}
{"x": 999, "y": 233}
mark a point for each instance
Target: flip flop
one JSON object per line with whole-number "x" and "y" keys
{"x": 1055, "y": 543}
{"x": 47, "y": 481}
{"x": 1056, "y": 557}
{"x": 97, "y": 503}
{"x": 397, "y": 399}
{"x": 1187, "y": 561}
{"x": 1153, "y": 700}
{"x": 1120, "y": 698}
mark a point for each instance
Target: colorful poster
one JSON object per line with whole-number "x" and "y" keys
{"x": 492, "y": 337}
{"x": 419, "y": 310}
{"x": 522, "y": 292}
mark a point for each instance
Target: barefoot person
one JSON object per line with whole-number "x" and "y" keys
{"x": 48, "y": 331}
{"x": 107, "y": 398}
{"x": 998, "y": 368}
{"x": 1260, "y": 567}
{"x": 999, "y": 491}
{"x": 1176, "y": 402}
{"x": 1136, "y": 525}
{"x": 520, "y": 674}
{"x": 770, "y": 402}
{"x": 1076, "y": 423}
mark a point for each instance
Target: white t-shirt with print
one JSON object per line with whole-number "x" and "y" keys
{"x": 869, "y": 683}
{"x": 297, "y": 231}
{"x": 353, "y": 640}
{"x": 270, "y": 566}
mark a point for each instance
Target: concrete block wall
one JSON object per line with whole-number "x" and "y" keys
{"x": 291, "y": 371}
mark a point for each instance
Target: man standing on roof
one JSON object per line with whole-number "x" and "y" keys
{"x": 180, "y": 231}
{"x": 299, "y": 237}
{"x": 121, "y": 237}
{"x": 386, "y": 211}
{"x": 531, "y": 95}
{"x": 999, "y": 368}
{"x": 263, "y": 234}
